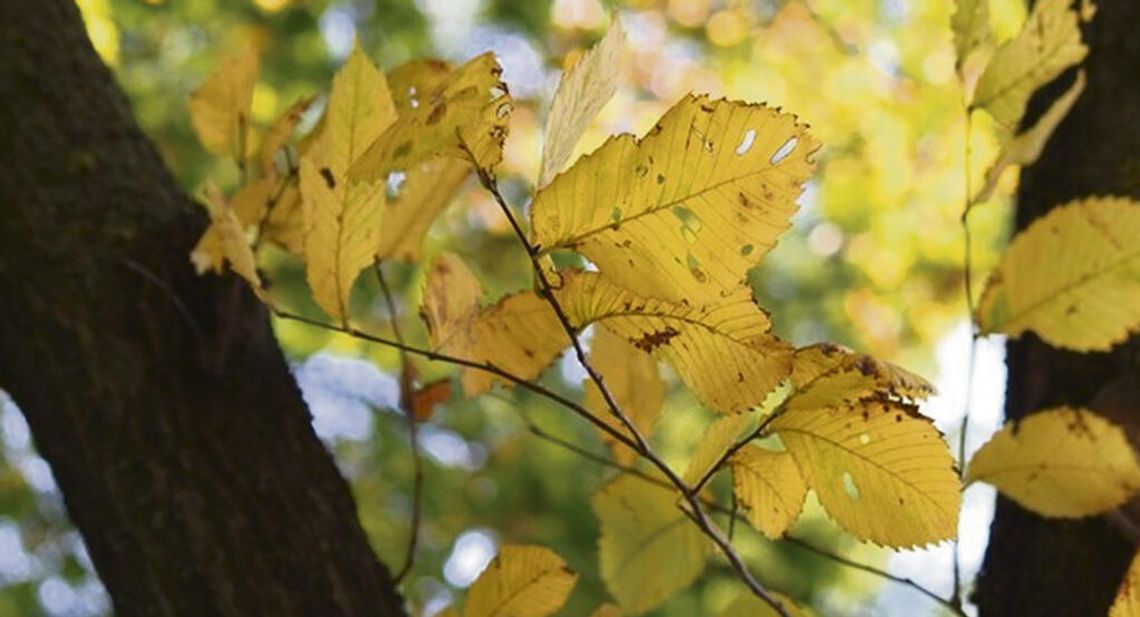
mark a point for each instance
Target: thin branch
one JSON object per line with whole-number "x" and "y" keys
{"x": 795, "y": 541}
{"x": 482, "y": 366}
{"x": 803, "y": 544}
{"x": 406, "y": 387}
{"x": 696, "y": 512}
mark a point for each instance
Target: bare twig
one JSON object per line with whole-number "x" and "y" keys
{"x": 695, "y": 510}
{"x": 406, "y": 387}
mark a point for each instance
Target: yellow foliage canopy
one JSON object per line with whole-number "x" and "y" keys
{"x": 1071, "y": 277}
{"x": 683, "y": 213}
{"x": 1062, "y": 462}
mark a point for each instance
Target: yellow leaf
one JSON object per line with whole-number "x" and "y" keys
{"x": 1071, "y": 277}
{"x": 285, "y": 224}
{"x": 1049, "y": 43}
{"x": 632, "y": 377}
{"x": 247, "y": 207}
{"x": 342, "y": 220}
{"x": 225, "y": 240}
{"x": 522, "y": 581}
{"x": 280, "y": 132}
{"x": 468, "y": 110}
{"x": 971, "y": 26}
{"x": 1127, "y": 602}
{"x": 649, "y": 550}
{"x": 424, "y": 188}
{"x": 519, "y": 334}
{"x": 1026, "y": 147}
{"x": 748, "y": 605}
{"x": 1062, "y": 462}
{"x": 219, "y": 108}
{"x": 717, "y": 439}
{"x": 880, "y": 469}
{"x": 582, "y": 92}
{"x": 770, "y": 485}
{"x": 826, "y": 374}
{"x": 683, "y": 213}
{"x": 724, "y": 354}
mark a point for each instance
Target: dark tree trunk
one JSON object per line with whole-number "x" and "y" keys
{"x": 161, "y": 400}
{"x": 1044, "y": 567}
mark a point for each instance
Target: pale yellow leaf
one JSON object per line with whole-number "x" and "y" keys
{"x": 1127, "y": 602}
{"x": 1026, "y": 147}
{"x": 649, "y": 550}
{"x": 721, "y": 435}
{"x": 280, "y": 132}
{"x": 522, "y": 581}
{"x": 1061, "y": 462}
{"x": 1073, "y": 277}
{"x": 1049, "y": 43}
{"x": 683, "y": 213}
{"x": 519, "y": 334}
{"x": 219, "y": 108}
{"x": 342, "y": 220}
{"x": 748, "y": 604}
{"x": 725, "y": 354}
{"x": 466, "y": 111}
{"x": 225, "y": 241}
{"x": 881, "y": 470}
{"x": 285, "y": 224}
{"x": 631, "y": 377}
{"x": 582, "y": 92}
{"x": 248, "y": 206}
{"x": 971, "y": 25}
{"x": 770, "y": 485}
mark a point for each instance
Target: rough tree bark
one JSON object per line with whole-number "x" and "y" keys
{"x": 161, "y": 400}
{"x": 1050, "y": 568}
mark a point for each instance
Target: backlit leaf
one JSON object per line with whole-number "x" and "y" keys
{"x": 247, "y": 206}
{"x": 1073, "y": 277}
{"x": 582, "y": 92}
{"x": 683, "y": 213}
{"x": 724, "y": 354}
{"x": 826, "y": 374}
{"x": 1026, "y": 147}
{"x": 881, "y": 470}
{"x": 717, "y": 439}
{"x": 971, "y": 25}
{"x": 225, "y": 241}
{"x": 280, "y": 132}
{"x": 1049, "y": 43}
{"x": 219, "y": 108}
{"x": 649, "y": 550}
{"x": 469, "y": 109}
{"x": 519, "y": 334}
{"x": 607, "y": 610}
{"x": 342, "y": 219}
{"x": 1062, "y": 462}
{"x": 522, "y": 581}
{"x": 1127, "y": 602}
{"x": 770, "y": 485}
{"x": 631, "y": 377}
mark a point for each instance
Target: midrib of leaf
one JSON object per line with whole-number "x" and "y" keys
{"x": 873, "y": 463}
{"x": 527, "y": 585}
{"x": 1076, "y": 284}
{"x": 574, "y": 240}
{"x": 671, "y": 317}
{"x": 770, "y": 485}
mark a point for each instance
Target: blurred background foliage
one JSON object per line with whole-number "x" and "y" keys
{"x": 874, "y": 260}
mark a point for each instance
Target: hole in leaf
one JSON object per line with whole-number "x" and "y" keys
{"x": 746, "y": 143}
{"x": 395, "y": 183}
{"x": 784, "y": 150}
{"x": 849, "y": 487}
{"x": 413, "y": 100}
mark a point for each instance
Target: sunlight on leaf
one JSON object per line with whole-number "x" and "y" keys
{"x": 748, "y": 605}
{"x": 770, "y": 485}
{"x": 1061, "y": 462}
{"x": 1071, "y": 277}
{"x": 280, "y": 132}
{"x": 683, "y": 213}
{"x": 715, "y": 442}
{"x": 219, "y": 108}
{"x": 522, "y": 581}
{"x": 582, "y": 92}
{"x": 971, "y": 25}
{"x": 632, "y": 378}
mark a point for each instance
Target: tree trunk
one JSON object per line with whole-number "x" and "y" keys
{"x": 1035, "y": 566}
{"x": 161, "y": 400}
